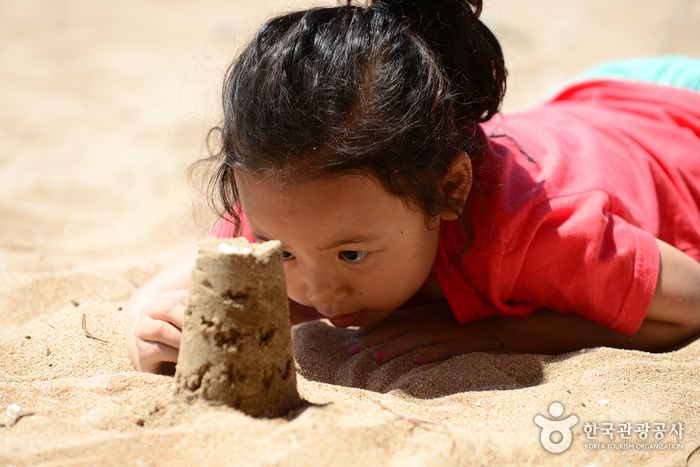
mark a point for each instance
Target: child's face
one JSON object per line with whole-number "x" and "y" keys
{"x": 352, "y": 251}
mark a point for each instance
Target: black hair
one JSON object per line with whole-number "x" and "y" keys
{"x": 392, "y": 90}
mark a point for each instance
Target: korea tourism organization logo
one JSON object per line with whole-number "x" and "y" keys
{"x": 557, "y": 433}
{"x": 550, "y": 427}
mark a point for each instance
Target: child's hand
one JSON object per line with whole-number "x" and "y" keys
{"x": 433, "y": 325}
{"x": 158, "y": 331}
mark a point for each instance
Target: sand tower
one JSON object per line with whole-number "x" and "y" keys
{"x": 236, "y": 339}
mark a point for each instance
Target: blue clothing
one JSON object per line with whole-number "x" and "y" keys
{"x": 674, "y": 70}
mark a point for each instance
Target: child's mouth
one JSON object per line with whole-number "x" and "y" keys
{"x": 345, "y": 320}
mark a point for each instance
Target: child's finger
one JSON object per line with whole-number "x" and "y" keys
{"x": 444, "y": 350}
{"x": 463, "y": 342}
{"x": 177, "y": 295}
{"x": 156, "y": 331}
{"x": 405, "y": 343}
{"x": 166, "y": 309}
{"x": 381, "y": 334}
{"x": 390, "y": 320}
{"x": 162, "y": 332}
{"x": 153, "y": 354}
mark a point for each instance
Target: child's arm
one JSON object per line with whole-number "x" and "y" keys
{"x": 154, "y": 317}
{"x": 673, "y": 316}
{"x": 672, "y": 319}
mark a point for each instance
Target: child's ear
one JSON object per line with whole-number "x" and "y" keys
{"x": 458, "y": 182}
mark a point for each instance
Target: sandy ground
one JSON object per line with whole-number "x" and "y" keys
{"x": 102, "y": 107}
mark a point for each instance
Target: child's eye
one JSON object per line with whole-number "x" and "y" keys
{"x": 353, "y": 256}
{"x": 287, "y": 255}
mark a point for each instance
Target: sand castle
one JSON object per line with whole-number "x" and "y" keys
{"x": 236, "y": 339}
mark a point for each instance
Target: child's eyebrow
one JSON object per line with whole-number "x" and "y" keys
{"x": 353, "y": 239}
{"x": 260, "y": 238}
{"x": 336, "y": 244}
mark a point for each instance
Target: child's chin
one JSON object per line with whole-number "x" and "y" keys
{"x": 368, "y": 318}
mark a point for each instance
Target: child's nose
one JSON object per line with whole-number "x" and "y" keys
{"x": 324, "y": 289}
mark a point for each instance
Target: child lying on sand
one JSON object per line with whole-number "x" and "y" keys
{"x": 368, "y": 141}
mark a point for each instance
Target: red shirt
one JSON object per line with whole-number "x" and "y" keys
{"x": 580, "y": 188}
{"x": 576, "y": 192}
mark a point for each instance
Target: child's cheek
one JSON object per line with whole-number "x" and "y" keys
{"x": 295, "y": 291}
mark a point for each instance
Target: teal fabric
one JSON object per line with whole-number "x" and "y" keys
{"x": 675, "y": 70}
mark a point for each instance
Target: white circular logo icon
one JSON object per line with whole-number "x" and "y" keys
{"x": 550, "y": 427}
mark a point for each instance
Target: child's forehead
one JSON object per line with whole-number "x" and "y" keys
{"x": 286, "y": 186}
{"x": 326, "y": 213}
{"x": 358, "y": 193}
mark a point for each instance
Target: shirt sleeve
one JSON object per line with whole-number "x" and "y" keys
{"x": 226, "y": 228}
{"x": 573, "y": 254}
